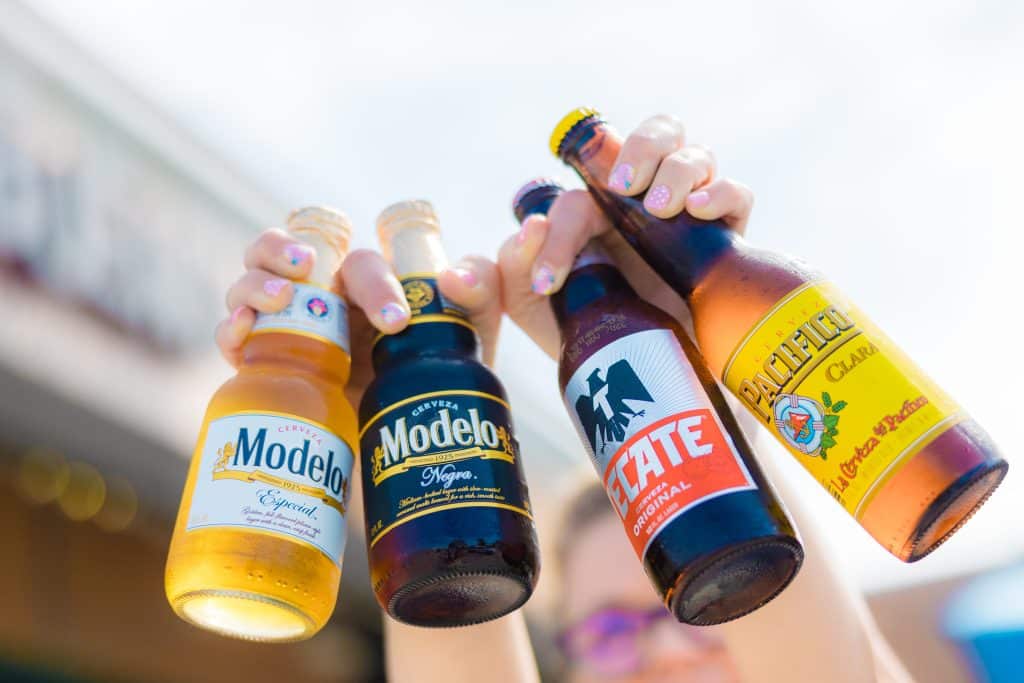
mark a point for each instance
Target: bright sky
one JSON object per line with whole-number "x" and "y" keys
{"x": 883, "y": 141}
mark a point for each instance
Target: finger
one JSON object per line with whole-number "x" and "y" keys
{"x": 232, "y": 332}
{"x": 530, "y": 311}
{"x": 678, "y": 175}
{"x": 723, "y": 199}
{"x": 574, "y": 219}
{"x": 261, "y": 290}
{"x": 643, "y": 150}
{"x": 371, "y": 285}
{"x": 474, "y": 283}
{"x": 277, "y": 252}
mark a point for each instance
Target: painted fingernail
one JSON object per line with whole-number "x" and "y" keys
{"x": 622, "y": 177}
{"x": 467, "y": 276}
{"x": 698, "y": 199}
{"x": 298, "y": 253}
{"x": 273, "y": 287}
{"x": 543, "y": 281}
{"x": 392, "y": 313}
{"x": 657, "y": 198}
{"x": 235, "y": 314}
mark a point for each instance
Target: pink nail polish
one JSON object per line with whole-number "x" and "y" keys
{"x": 236, "y": 314}
{"x": 622, "y": 177}
{"x": 297, "y": 253}
{"x": 698, "y": 199}
{"x": 273, "y": 287}
{"x": 467, "y": 276}
{"x": 392, "y": 313}
{"x": 657, "y": 198}
{"x": 543, "y": 281}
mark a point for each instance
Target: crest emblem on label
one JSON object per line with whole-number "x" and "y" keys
{"x": 603, "y": 410}
{"x": 317, "y": 307}
{"x": 801, "y": 421}
{"x": 418, "y": 293}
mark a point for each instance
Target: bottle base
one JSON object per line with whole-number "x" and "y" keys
{"x": 458, "y": 599}
{"x": 244, "y": 615}
{"x": 736, "y": 582}
{"x": 952, "y": 509}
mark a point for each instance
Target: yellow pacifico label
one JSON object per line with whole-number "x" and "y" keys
{"x": 838, "y": 393}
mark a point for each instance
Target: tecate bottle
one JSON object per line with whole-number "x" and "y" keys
{"x": 883, "y": 439}
{"x": 704, "y": 521}
{"x": 449, "y": 529}
{"x": 257, "y": 548}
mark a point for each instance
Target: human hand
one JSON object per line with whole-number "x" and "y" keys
{"x": 535, "y": 262}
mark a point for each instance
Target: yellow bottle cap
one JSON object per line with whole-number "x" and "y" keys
{"x": 410, "y": 237}
{"x": 567, "y": 123}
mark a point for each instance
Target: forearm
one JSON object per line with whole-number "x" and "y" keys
{"x": 501, "y": 648}
{"x": 819, "y": 628}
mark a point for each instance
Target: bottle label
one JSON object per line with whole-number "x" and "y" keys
{"x": 652, "y": 432}
{"x": 849, "y": 405}
{"x": 312, "y": 312}
{"x": 427, "y": 303}
{"x": 274, "y": 473}
{"x": 440, "y": 451}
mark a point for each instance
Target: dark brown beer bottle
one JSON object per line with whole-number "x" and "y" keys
{"x": 883, "y": 439}
{"x": 710, "y": 532}
{"x": 449, "y": 529}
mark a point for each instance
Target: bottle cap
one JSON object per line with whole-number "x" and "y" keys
{"x": 568, "y": 122}
{"x": 329, "y": 232}
{"x": 535, "y": 197}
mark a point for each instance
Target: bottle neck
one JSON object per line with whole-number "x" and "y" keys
{"x": 587, "y": 284}
{"x": 297, "y": 353}
{"x": 681, "y": 249}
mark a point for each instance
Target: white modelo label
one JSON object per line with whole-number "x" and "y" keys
{"x": 652, "y": 432}
{"x": 275, "y": 473}
{"x": 313, "y": 311}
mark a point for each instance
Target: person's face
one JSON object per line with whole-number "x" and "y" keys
{"x": 617, "y": 628}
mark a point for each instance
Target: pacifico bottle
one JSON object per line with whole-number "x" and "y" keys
{"x": 704, "y": 521}
{"x": 257, "y": 548}
{"x": 885, "y": 441}
{"x": 449, "y": 529}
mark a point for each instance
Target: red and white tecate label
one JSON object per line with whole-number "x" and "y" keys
{"x": 652, "y": 433}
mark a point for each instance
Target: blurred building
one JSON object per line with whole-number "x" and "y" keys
{"x": 119, "y": 234}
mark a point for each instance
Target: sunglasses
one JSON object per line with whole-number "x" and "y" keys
{"x": 609, "y": 642}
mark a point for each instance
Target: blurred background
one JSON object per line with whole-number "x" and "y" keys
{"x": 142, "y": 144}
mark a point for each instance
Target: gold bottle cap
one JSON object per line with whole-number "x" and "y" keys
{"x": 410, "y": 238}
{"x": 567, "y": 123}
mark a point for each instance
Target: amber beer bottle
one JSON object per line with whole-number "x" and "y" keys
{"x": 257, "y": 548}
{"x": 713, "y": 538}
{"x": 885, "y": 441}
{"x": 449, "y": 530}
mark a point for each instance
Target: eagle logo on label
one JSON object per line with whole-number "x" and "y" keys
{"x": 603, "y": 412}
{"x": 801, "y": 421}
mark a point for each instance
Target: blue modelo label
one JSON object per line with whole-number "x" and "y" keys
{"x": 425, "y": 298}
{"x": 439, "y": 451}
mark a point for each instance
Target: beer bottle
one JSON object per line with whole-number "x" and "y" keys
{"x": 885, "y": 441}
{"x": 257, "y": 547}
{"x": 704, "y": 521}
{"x": 449, "y": 529}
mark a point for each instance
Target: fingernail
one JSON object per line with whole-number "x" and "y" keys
{"x": 467, "y": 276}
{"x": 392, "y": 313}
{"x": 657, "y": 198}
{"x": 235, "y": 314}
{"x": 698, "y": 199}
{"x": 622, "y": 177}
{"x": 273, "y": 287}
{"x": 298, "y": 253}
{"x": 543, "y": 281}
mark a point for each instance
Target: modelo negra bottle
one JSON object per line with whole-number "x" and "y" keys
{"x": 449, "y": 530}
{"x": 703, "y": 519}
{"x": 879, "y": 435}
